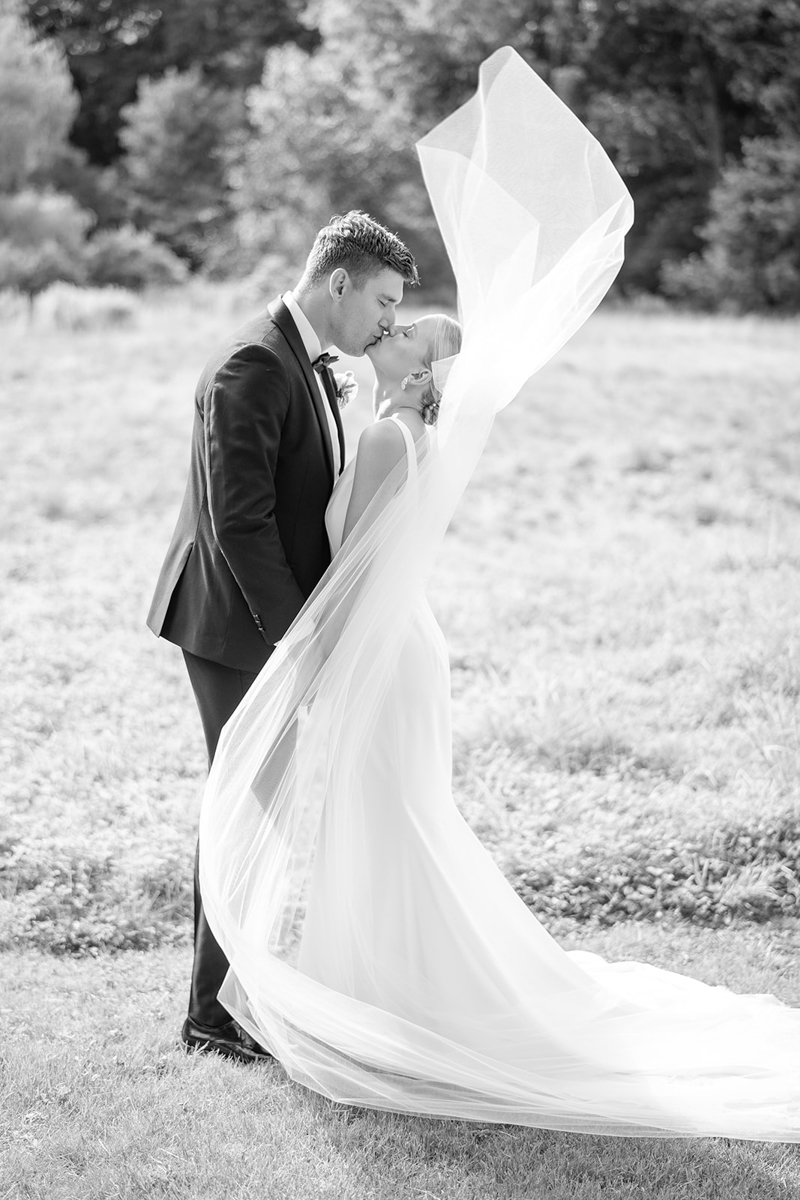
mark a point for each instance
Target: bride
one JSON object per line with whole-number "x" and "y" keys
{"x": 375, "y": 948}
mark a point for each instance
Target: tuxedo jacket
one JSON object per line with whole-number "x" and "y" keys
{"x": 250, "y": 544}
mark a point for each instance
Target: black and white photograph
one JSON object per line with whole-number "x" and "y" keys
{"x": 400, "y": 607}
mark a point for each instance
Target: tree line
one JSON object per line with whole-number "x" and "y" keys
{"x": 217, "y": 135}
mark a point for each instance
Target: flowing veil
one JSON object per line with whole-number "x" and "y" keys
{"x": 533, "y": 215}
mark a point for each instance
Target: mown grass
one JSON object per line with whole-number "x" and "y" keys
{"x": 101, "y": 1102}
{"x": 619, "y": 593}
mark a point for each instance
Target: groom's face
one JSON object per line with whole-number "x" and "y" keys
{"x": 363, "y": 311}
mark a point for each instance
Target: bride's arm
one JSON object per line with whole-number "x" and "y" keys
{"x": 380, "y": 448}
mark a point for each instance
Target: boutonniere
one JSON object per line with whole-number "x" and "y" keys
{"x": 346, "y": 387}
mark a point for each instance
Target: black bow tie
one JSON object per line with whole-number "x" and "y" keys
{"x": 324, "y": 360}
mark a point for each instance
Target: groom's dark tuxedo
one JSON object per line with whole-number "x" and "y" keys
{"x": 250, "y": 544}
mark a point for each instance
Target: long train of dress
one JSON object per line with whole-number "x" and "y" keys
{"x": 422, "y": 983}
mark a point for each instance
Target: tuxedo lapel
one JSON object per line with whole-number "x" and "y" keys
{"x": 285, "y": 323}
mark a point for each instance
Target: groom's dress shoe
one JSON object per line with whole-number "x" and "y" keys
{"x": 228, "y": 1040}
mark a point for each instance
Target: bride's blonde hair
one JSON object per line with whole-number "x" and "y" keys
{"x": 446, "y": 342}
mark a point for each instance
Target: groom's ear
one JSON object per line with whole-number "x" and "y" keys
{"x": 337, "y": 284}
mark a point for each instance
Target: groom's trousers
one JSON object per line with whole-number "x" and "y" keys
{"x": 217, "y": 690}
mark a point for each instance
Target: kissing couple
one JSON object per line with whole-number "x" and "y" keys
{"x": 348, "y": 923}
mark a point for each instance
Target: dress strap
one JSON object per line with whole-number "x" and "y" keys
{"x": 411, "y": 448}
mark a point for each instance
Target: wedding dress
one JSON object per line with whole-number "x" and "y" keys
{"x": 375, "y": 947}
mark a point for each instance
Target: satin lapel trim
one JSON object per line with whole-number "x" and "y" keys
{"x": 337, "y": 417}
{"x": 283, "y": 319}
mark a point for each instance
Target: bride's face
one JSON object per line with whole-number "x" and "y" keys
{"x": 403, "y": 350}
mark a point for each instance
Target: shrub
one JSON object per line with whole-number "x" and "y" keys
{"x": 131, "y": 258}
{"x": 273, "y": 275}
{"x": 752, "y": 259}
{"x": 41, "y": 241}
{"x": 748, "y": 873}
{"x": 98, "y": 190}
{"x": 78, "y": 309}
{"x": 32, "y": 269}
{"x": 29, "y": 218}
{"x": 178, "y": 136}
{"x": 699, "y": 281}
{"x": 79, "y": 898}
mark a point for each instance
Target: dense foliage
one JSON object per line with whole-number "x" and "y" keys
{"x": 753, "y": 236}
{"x": 51, "y": 201}
{"x": 37, "y": 103}
{"x": 111, "y": 46}
{"x": 230, "y": 129}
{"x": 174, "y": 169}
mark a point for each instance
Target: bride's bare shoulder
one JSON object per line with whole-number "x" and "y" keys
{"x": 381, "y": 442}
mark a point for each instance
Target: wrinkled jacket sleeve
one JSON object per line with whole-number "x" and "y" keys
{"x": 244, "y": 411}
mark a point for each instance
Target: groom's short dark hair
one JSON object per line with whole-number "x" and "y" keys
{"x": 363, "y": 247}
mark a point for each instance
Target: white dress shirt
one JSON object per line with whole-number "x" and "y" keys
{"x": 313, "y": 350}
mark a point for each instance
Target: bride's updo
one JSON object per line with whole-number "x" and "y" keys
{"x": 446, "y": 342}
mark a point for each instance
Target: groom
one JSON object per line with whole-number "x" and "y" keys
{"x": 250, "y": 543}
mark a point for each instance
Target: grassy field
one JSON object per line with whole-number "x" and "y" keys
{"x": 619, "y": 593}
{"x": 100, "y": 1103}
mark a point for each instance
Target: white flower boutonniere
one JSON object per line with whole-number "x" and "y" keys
{"x": 346, "y": 387}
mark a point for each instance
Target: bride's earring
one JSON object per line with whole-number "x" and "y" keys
{"x": 421, "y": 376}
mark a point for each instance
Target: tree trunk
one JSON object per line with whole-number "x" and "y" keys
{"x": 710, "y": 117}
